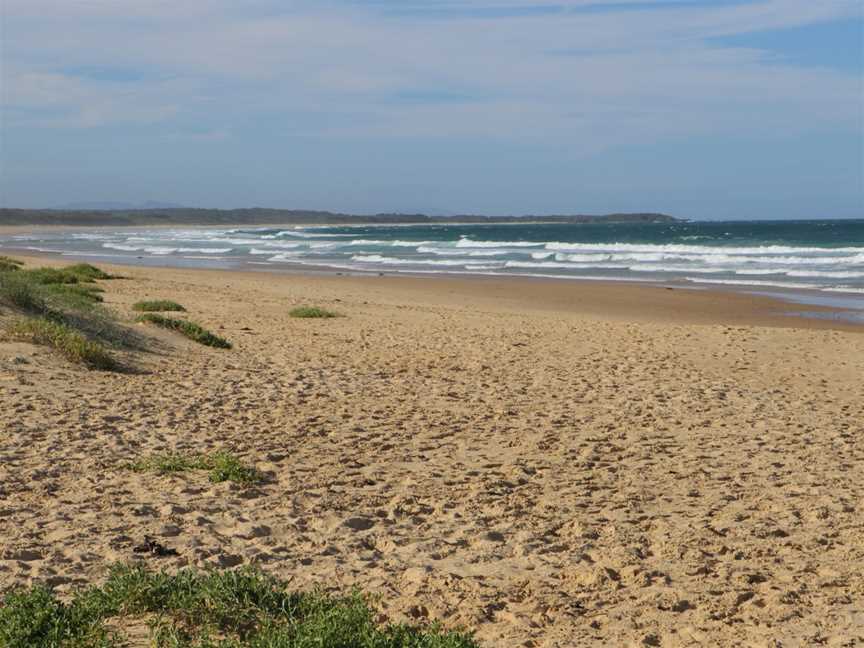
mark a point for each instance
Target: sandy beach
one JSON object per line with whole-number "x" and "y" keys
{"x": 550, "y": 464}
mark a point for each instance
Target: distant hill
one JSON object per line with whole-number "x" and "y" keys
{"x": 260, "y": 216}
{"x": 116, "y": 206}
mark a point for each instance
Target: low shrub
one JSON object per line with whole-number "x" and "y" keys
{"x": 223, "y": 466}
{"x": 66, "y": 313}
{"x": 190, "y": 329}
{"x": 244, "y": 608}
{"x": 69, "y": 342}
{"x": 312, "y": 312}
{"x": 45, "y": 276}
{"x": 87, "y": 272}
{"x": 17, "y": 292}
{"x": 10, "y": 265}
{"x": 157, "y": 305}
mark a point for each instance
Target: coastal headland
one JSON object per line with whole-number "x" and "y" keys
{"x": 263, "y": 216}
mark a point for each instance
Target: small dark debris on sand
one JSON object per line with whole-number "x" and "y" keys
{"x": 154, "y": 548}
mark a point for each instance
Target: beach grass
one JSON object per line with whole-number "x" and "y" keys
{"x": 191, "y": 330}
{"x": 87, "y": 272}
{"x": 156, "y": 305}
{"x": 192, "y": 608}
{"x": 45, "y": 276}
{"x": 223, "y": 466}
{"x": 8, "y": 264}
{"x": 312, "y": 312}
{"x": 79, "y": 273}
{"x": 69, "y": 342}
{"x": 76, "y": 296}
{"x": 41, "y": 291}
{"x": 61, "y": 309}
{"x": 16, "y": 291}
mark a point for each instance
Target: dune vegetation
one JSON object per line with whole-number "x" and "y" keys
{"x": 61, "y": 309}
{"x": 311, "y": 312}
{"x": 9, "y": 265}
{"x": 222, "y": 466}
{"x": 69, "y": 342}
{"x": 225, "y": 609}
{"x": 191, "y": 330}
{"x": 157, "y": 305}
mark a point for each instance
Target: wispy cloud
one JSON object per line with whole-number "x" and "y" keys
{"x": 593, "y": 72}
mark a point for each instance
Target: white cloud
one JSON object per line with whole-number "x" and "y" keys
{"x": 339, "y": 69}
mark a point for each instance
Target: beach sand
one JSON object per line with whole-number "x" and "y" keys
{"x": 548, "y": 463}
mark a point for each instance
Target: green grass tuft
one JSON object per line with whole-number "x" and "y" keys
{"x": 157, "y": 305}
{"x": 72, "y": 344}
{"x": 16, "y": 291}
{"x": 168, "y": 463}
{"x": 244, "y": 608}
{"x": 190, "y": 329}
{"x": 65, "y": 313}
{"x": 80, "y": 273}
{"x": 36, "y": 617}
{"x": 223, "y": 466}
{"x": 8, "y": 264}
{"x": 74, "y": 296}
{"x": 312, "y": 312}
{"x": 87, "y": 272}
{"x": 45, "y": 276}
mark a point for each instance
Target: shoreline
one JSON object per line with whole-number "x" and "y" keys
{"x": 807, "y": 301}
{"x": 616, "y": 300}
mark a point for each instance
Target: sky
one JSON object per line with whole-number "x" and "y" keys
{"x": 703, "y": 109}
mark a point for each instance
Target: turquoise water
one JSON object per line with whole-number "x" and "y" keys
{"x": 825, "y": 255}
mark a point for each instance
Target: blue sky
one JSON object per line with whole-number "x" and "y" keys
{"x": 698, "y": 108}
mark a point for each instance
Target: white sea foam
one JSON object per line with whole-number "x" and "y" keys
{"x": 232, "y": 241}
{"x": 744, "y": 282}
{"x": 391, "y": 243}
{"x": 487, "y": 253}
{"x": 101, "y": 255}
{"x": 90, "y": 237}
{"x": 304, "y": 234}
{"x": 460, "y": 252}
{"x": 470, "y": 243}
{"x": 536, "y": 275}
{"x": 761, "y": 271}
{"x": 828, "y": 275}
{"x": 710, "y": 258}
{"x": 206, "y": 250}
{"x": 423, "y": 249}
{"x": 563, "y": 266}
{"x": 383, "y": 260}
{"x": 662, "y": 268}
{"x": 845, "y": 289}
{"x": 700, "y": 249}
{"x": 284, "y": 256}
{"x": 120, "y": 246}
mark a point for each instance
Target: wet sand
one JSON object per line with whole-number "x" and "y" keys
{"x": 549, "y": 463}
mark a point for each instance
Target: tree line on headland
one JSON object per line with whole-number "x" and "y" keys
{"x": 262, "y": 216}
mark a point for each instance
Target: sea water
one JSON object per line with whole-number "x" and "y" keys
{"x": 817, "y": 255}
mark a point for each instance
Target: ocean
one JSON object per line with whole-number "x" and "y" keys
{"x": 817, "y": 255}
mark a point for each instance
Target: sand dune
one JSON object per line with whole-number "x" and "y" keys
{"x": 531, "y": 463}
